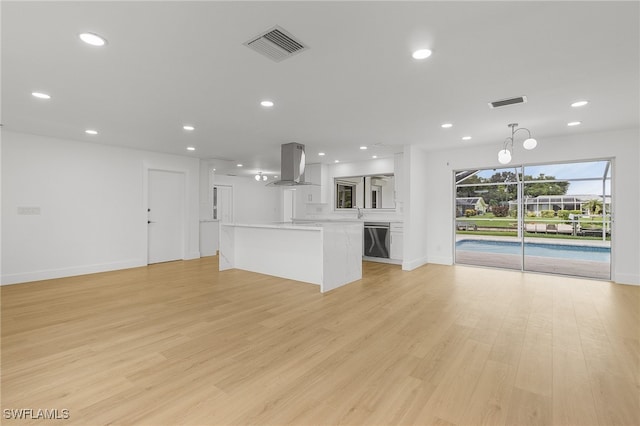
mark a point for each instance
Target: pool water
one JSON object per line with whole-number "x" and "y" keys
{"x": 594, "y": 254}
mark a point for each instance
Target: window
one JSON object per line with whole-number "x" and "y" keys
{"x": 368, "y": 192}
{"x": 344, "y": 195}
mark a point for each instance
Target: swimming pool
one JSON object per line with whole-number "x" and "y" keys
{"x": 594, "y": 254}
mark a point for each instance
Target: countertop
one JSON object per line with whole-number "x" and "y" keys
{"x": 309, "y": 225}
{"x": 348, "y": 220}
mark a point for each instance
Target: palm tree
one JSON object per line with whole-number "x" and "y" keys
{"x": 594, "y": 206}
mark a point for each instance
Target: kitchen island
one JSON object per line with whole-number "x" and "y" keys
{"x": 325, "y": 254}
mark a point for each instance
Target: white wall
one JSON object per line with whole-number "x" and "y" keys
{"x": 361, "y": 168}
{"x": 253, "y": 201}
{"x": 92, "y": 201}
{"x": 206, "y": 190}
{"x": 416, "y": 204}
{"x": 621, "y": 145}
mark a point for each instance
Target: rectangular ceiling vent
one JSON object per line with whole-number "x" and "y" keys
{"x": 510, "y": 101}
{"x": 276, "y": 44}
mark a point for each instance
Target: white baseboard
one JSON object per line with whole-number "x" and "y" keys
{"x": 382, "y": 260}
{"x": 192, "y": 255}
{"x": 631, "y": 279}
{"x": 410, "y": 265}
{"x": 441, "y": 260}
{"x": 49, "y": 274}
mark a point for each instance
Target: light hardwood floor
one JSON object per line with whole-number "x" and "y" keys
{"x": 181, "y": 343}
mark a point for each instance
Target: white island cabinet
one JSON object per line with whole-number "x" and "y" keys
{"x": 326, "y": 254}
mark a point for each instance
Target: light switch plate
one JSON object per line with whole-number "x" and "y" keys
{"x": 28, "y": 210}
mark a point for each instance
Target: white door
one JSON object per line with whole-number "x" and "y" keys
{"x": 166, "y": 216}
{"x": 223, "y": 203}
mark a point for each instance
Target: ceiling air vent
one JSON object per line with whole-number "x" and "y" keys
{"x": 276, "y": 44}
{"x": 510, "y": 101}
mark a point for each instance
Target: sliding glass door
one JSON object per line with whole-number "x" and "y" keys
{"x": 487, "y": 231}
{"x": 552, "y": 218}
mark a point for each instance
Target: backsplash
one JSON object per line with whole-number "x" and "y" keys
{"x": 325, "y": 211}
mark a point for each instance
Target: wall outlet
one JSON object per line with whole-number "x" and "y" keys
{"x": 29, "y": 211}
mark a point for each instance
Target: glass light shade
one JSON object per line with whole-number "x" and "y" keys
{"x": 504, "y": 156}
{"x": 264, "y": 178}
{"x": 530, "y": 143}
{"x": 257, "y": 177}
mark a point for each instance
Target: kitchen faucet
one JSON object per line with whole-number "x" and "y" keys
{"x": 360, "y": 214}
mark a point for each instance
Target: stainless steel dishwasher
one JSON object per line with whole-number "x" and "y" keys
{"x": 376, "y": 239}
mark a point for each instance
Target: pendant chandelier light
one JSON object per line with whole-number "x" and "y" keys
{"x": 504, "y": 155}
{"x": 260, "y": 177}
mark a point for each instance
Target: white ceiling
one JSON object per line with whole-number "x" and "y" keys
{"x": 172, "y": 63}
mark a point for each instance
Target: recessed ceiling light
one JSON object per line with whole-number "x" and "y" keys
{"x": 93, "y": 39}
{"x": 374, "y": 156}
{"x": 321, "y": 154}
{"x": 189, "y": 128}
{"x": 363, "y": 147}
{"x": 336, "y": 161}
{"x": 191, "y": 148}
{"x": 91, "y": 132}
{"x": 579, "y": 104}
{"x": 574, "y": 123}
{"x": 466, "y": 138}
{"x": 40, "y": 95}
{"x": 446, "y": 125}
{"x": 267, "y": 104}
{"x": 421, "y": 54}
{"x": 239, "y": 165}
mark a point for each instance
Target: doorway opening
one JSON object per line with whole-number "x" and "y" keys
{"x": 288, "y": 205}
{"x": 223, "y": 203}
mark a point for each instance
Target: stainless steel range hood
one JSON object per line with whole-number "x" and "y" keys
{"x": 292, "y": 163}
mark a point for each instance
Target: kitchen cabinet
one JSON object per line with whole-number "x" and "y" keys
{"x": 396, "y": 241}
{"x": 316, "y": 193}
{"x": 326, "y": 254}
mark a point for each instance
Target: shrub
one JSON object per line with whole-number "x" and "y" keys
{"x": 564, "y": 214}
{"x": 469, "y": 212}
{"x": 532, "y": 214}
{"x": 500, "y": 211}
{"x": 547, "y": 213}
